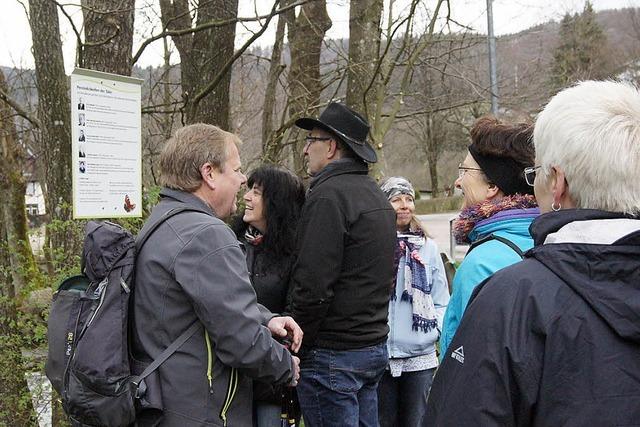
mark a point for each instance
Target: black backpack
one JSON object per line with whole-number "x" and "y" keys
{"x": 89, "y": 362}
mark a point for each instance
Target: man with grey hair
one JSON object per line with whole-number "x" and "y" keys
{"x": 554, "y": 340}
{"x": 192, "y": 271}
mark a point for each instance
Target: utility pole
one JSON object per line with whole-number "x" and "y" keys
{"x": 493, "y": 74}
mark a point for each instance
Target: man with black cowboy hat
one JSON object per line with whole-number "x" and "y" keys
{"x": 342, "y": 277}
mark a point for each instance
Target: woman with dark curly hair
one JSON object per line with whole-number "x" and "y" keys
{"x": 497, "y": 210}
{"x": 267, "y": 228}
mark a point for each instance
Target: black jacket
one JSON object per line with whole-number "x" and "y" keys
{"x": 553, "y": 340}
{"x": 344, "y": 268}
{"x": 270, "y": 280}
{"x": 269, "y": 277}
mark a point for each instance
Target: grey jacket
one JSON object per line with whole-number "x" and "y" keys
{"x": 192, "y": 269}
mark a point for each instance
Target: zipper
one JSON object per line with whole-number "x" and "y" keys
{"x": 98, "y": 292}
{"x": 71, "y": 336}
{"x": 233, "y": 380}
{"x": 231, "y": 392}
{"x": 392, "y": 320}
{"x": 207, "y": 340}
{"x": 124, "y": 285}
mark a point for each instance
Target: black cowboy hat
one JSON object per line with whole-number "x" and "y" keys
{"x": 347, "y": 125}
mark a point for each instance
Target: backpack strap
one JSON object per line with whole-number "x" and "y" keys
{"x": 175, "y": 345}
{"x": 501, "y": 239}
{"x": 195, "y": 326}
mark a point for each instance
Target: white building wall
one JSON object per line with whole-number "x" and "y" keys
{"x": 34, "y": 199}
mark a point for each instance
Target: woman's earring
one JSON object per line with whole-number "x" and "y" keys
{"x": 554, "y": 208}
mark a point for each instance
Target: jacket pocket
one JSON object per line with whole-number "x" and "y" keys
{"x": 232, "y": 384}
{"x": 66, "y": 310}
{"x": 116, "y": 403}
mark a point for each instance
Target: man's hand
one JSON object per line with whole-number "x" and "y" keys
{"x": 286, "y": 327}
{"x": 296, "y": 371}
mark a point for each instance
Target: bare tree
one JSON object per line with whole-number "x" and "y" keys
{"x": 394, "y": 72}
{"x": 13, "y": 186}
{"x": 17, "y": 267}
{"x": 440, "y": 96}
{"x": 306, "y": 34}
{"x": 364, "y": 50}
{"x": 53, "y": 113}
{"x": 203, "y": 55}
{"x": 108, "y": 29}
{"x": 271, "y": 146}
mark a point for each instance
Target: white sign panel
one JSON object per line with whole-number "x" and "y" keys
{"x": 106, "y": 145}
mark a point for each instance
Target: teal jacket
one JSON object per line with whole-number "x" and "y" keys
{"x": 485, "y": 260}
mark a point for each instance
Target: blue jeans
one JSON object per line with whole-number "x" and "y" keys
{"x": 402, "y": 401}
{"x": 266, "y": 414}
{"x": 339, "y": 387}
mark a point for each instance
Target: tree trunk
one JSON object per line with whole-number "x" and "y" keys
{"x": 108, "y": 29}
{"x": 306, "y": 34}
{"x": 16, "y": 408}
{"x": 364, "y": 50}
{"x": 16, "y": 267}
{"x": 202, "y": 56}
{"x": 54, "y": 114}
{"x": 272, "y": 147}
{"x": 13, "y": 186}
{"x": 175, "y": 16}
{"x": 213, "y": 48}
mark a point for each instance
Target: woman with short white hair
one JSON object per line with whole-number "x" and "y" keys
{"x": 555, "y": 339}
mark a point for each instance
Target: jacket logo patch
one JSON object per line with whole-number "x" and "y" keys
{"x": 458, "y": 354}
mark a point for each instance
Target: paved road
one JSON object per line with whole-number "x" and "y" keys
{"x": 438, "y": 227}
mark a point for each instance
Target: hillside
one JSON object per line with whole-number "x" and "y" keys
{"x": 524, "y": 62}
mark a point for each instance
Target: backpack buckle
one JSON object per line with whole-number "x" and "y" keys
{"x": 141, "y": 389}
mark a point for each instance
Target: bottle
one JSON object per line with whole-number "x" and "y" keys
{"x": 291, "y": 406}
{"x": 284, "y": 413}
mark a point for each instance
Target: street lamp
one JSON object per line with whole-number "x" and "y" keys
{"x": 493, "y": 75}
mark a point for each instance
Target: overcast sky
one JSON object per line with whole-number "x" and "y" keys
{"x": 509, "y": 16}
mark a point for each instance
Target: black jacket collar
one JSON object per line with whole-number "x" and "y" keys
{"x": 339, "y": 167}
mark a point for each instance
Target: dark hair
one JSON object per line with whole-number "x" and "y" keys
{"x": 492, "y": 137}
{"x": 283, "y": 196}
{"x": 503, "y": 151}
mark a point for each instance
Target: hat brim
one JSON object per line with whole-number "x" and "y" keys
{"x": 362, "y": 148}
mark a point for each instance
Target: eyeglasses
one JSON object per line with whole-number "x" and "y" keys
{"x": 463, "y": 169}
{"x": 530, "y": 174}
{"x": 308, "y": 140}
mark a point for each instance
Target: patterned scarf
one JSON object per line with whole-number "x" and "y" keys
{"x": 253, "y": 236}
{"x": 472, "y": 215}
{"x": 416, "y": 287}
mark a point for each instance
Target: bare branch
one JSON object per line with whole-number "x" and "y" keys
{"x": 18, "y": 109}
{"x": 217, "y": 23}
{"x": 214, "y": 82}
{"x": 79, "y": 49}
{"x": 433, "y": 110}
